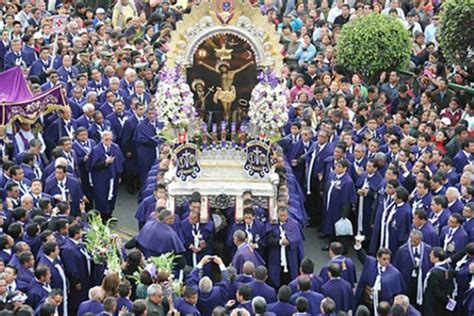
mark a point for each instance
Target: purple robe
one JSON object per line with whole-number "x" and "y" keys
{"x": 423, "y": 203}
{"x": 216, "y": 297}
{"x": 348, "y": 270}
{"x": 105, "y": 178}
{"x": 340, "y": 195}
{"x": 185, "y": 308}
{"x": 204, "y": 232}
{"x": 314, "y": 300}
{"x": 316, "y": 283}
{"x": 245, "y": 253}
{"x": 142, "y": 212}
{"x": 461, "y": 159}
{"x": 440, "y": 220}
{"x": 77, "y": 266}
{"x": 341, "y": 292}
{"x": 260, "y": 288}
{"x": 429, "y": 234}
{"x": 282, "y": 308}
{"x": 23, "y": 278}
{"x": 153, "y": 231}
{"x": 73, "y": 192}
{"x": 56, "y": 279}
{"x": 391, "y": 280}
{"x": 129, "y": 145}
{"x": 453, "y": 243}
{"x": 399, "y": 226}
{"x": 37, "y": 293}
{"x": 294, "y": 252}
{"x": 257, "y": 232}
{"x": 369, "y": 202}
{"x": 147, "y": 141}
{"x": 89, "y": 306}
{"x": 410, "y": 266}
{"x": 456, "y": 207}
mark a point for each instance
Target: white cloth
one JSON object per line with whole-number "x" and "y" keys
{"x": 360, "y": 217}
{"x": 196, "y": 233}
{"x": 62, "y": 274}
{"x": 283, "y": 259}
{"x": 389, "y": 204}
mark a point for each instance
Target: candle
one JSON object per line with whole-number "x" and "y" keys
{"x": 233, "y": 127}
{"x": 214, "y": 127}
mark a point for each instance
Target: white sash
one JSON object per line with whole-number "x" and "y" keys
{"x": 196, "y": 239}
{"x": 419, "y": 279}
{"x": 283, "y": 259}
{"x": 360, "y": 217}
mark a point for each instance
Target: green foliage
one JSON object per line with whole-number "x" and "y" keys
{"x": 165, "y": 262}
{"x": 373, "y": 43}
{"x": 100, "y": 241}
{"x": 455, "y": 32}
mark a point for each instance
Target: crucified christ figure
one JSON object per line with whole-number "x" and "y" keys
{"x": 226, "y": 93}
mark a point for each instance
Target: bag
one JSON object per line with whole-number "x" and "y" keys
{"x": 343, "y": 227}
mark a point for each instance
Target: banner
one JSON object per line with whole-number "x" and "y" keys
{"x": 28, "y": 110}
{"x": 258, "y": 158}
{"x": 187, "y": 166}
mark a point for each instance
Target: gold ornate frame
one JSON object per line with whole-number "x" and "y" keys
{"x": 208, "y": 19}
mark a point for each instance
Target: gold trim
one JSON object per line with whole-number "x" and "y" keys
{"x": 204, "y": 23}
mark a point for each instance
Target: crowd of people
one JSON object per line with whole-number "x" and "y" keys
{"x": 392, "y": 156}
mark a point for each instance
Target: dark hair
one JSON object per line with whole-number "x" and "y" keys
{"x": 439, "y": 253}
{"x": 307, "y": 266}
{"x": 41, "y": 270}
{"x": 301, "y": 304}
{"x": 383, "y": 251}
{"x": 335, "y": 269}
{"x": 49, "y": 247}
{"x": 245, "y": 291}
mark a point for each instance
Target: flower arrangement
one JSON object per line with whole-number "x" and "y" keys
{"x": 161, "y": 267}
{"x": 175, "y": 103}
{"x": 102, "y": 243}
{"x": 268, "y": 110}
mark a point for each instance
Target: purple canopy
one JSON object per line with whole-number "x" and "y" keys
{"x": 18, "y": 103}
{"x": 14, "y": 87}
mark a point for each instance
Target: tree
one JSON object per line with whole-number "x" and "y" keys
{"x": 372, "y": 44}
{"x": 455, "y": 33}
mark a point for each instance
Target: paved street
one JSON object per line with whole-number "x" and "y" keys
{"x": 127, "y": 205}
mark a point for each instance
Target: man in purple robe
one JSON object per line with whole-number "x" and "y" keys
{"x": 463, "y": 264}
{"x": 404, "y": 301}
{"x": 453, "y": 238}
{"x": 210, "y": 295}
{"x": 93, "y": 305}
{"x": 368, "y": 185}
{"x": 340, "y": 196}
{"x": 339, "y": 289}
{"x": 26, "y": 263}
{"x": 285, "y": 248}
{"x": 348, "y": 270}
{"x": 147, "y": 141}
{"x": 197, "y": 236}
{"x": 260, "y": 287}
{"x": 254, "y": 229}
{"x": 83, "y": 146}
{"x": 439, "y": 285}
{"x": 421, "y": 223}
{"x": 129, "y": 147}
{"x": 51, "y": 259}
{"x": 40, "y": 286}
{"x": 307, "y": 268}
{"x": 422, "y": 198}
{"x": 244, "y": 252}
{"x": 105, "y": 165}
{"x": 158, "y": 230}
{"x": 304, "y": 290}
{"x": 379, "y": 281}
{"x": 117, "y": 120}
{"x": 64, "y": 126}
{"x": 398, "y": 222}
{"x": 78, "y": 267}
{"x": 65, "y": 188}
{"x": 283, "y": 307}
{"x": 314, "y": 175}
{"x": 186, "y": 305}
{"x": 143, "y": 211}
{"x": 413, "y": 262}
{"x": 385, "y": 202}
{"x": 439, "y": 213}
{"x": 468, "y": 214}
